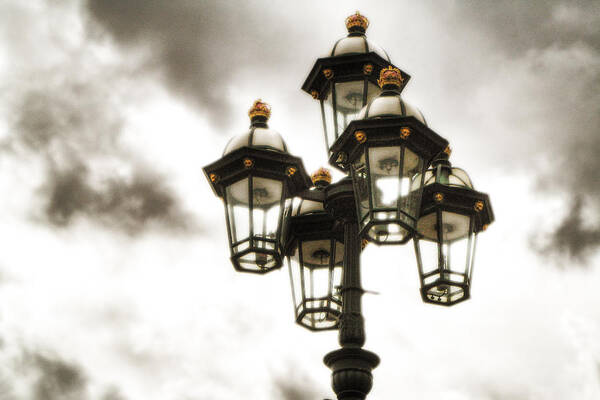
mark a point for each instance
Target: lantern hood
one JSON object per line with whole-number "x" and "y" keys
{"x": 259, "y": 136}
{"x": 389, "y": 103}
{"x": 356, "y": 42}
{"x": 443, "y": 172}
{"x": 450, "y": 188}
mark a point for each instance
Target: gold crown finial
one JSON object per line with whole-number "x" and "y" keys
{"x": 390, "y": 76}
{"x": 357, "y": 22}
{"x": 260, "y": 108}
{"x": 321, "y": 175}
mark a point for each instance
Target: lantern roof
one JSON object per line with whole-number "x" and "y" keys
{"x": 448, "y": 188}
{"x": 312, "y": 201}
{"x": 443, "y": 172}
{"x": 356, "y": 42}
{"x": 259, "y": 135}
{"x": 390, "y": 103}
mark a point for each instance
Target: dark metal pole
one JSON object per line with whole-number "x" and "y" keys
{"x": 351, "y": 365}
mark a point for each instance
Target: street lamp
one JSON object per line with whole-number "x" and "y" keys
{"x": 388, "y": 197}
{"x": 452, "y": 214}
{"x": 346, "y": 81}
{"x": 315, "y": 255}
{"x": 386, "y": 150}
{"x": 256, "y": 177}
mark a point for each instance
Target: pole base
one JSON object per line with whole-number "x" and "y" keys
{"x": 351, "y": 378}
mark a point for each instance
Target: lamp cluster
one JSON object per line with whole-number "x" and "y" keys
{"x": 399, "y": 186}
{"x": 404, "y": 186}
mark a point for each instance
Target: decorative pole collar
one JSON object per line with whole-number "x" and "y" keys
{"x": 357, "y": 23}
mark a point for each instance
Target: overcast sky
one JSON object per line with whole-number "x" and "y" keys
{"x": 115, "y": 282}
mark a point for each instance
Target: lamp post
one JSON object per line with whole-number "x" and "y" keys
{"x": 399, "y": 186}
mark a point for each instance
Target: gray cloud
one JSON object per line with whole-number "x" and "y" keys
{"x": 200, "y": 47}
{"x": 74, "y": 125}
{"x": 550, "y": 73}
{"x": 113, "y": 394}
{"x": 130, "y": 205}
{"x": 58, "y": 380}
{"x": 295, "y": 386}
{"x": 572, "y": 238}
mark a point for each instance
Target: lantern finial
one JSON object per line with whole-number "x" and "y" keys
{"x": 260, "y": 109}
{"x": 390, "y": 76}
{"x": 357, "y": 23}
{"x": 321, "y": 177}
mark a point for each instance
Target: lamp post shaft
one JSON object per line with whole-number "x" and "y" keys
{"x": 351, "y": 365}
{"x": 352, "y": 327}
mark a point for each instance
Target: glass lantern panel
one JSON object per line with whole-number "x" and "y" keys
{"x": 384, "y": 168}
{"x": 264, "y": 137}
{"x": 385, "y": 105}
{"x": 429, "y": 177}
{"x": 452, "y": 256}
{"x": 257, "y": 261}
{"x": 238, "y": 214}
{"x": 328, "y": 119}
{"x": 308, "y": 206}
{"x": 350, "y": 45}
{"x": 361, "y": 187}
{"x": 295, "y": 278}
{"x": 348, "y": 102}
{"x": 455, "y": 226}
{"x": 428, "y": 257}
{"x": 266, "y": 208}
{"x": 411, "y": 184}
{"x": 317, "y": 253}
{"x": 373, "y": 91}
{"x": 460, "y": 178}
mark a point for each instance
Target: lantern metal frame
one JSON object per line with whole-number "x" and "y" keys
{"x": 306, "y": 228}
{"x": 438, "y": 199}
{"x": 249, "y": 162}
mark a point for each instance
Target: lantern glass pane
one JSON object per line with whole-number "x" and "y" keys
{"x": 266, "y": 199}
{"x": 267, "y": 138}
{"x": 459, "y": 177}
{"x": 239, "y": 220}
{"x": 411, "y": 183}
{"x": 373, "y": 91}
{"x": 361, "y": 188}
{"x": 295, "y": 279}
{"x": 350, "y": 45}
{"x": 455, "y": 226}
{"x": 349, "y": 100}
{"x": 395, "y": 174}
{"x": 386, "y": 105}
{"x": 328, "y": 119}
{"x": 384, "y": 167}
{"x": 315, "y": 281}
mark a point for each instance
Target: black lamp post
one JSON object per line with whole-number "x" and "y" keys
{"x": 389, "y": 197}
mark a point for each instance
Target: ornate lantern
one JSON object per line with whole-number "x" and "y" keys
{"x": 315, "y": 255}
{"x": 387, "y": 149}
{"x": 452, "y": 214}
{"x": 346, "y": 81}
{"x": 256, "y": 177}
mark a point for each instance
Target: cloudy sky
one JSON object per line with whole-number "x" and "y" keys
{"x": 115, "y": 282}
